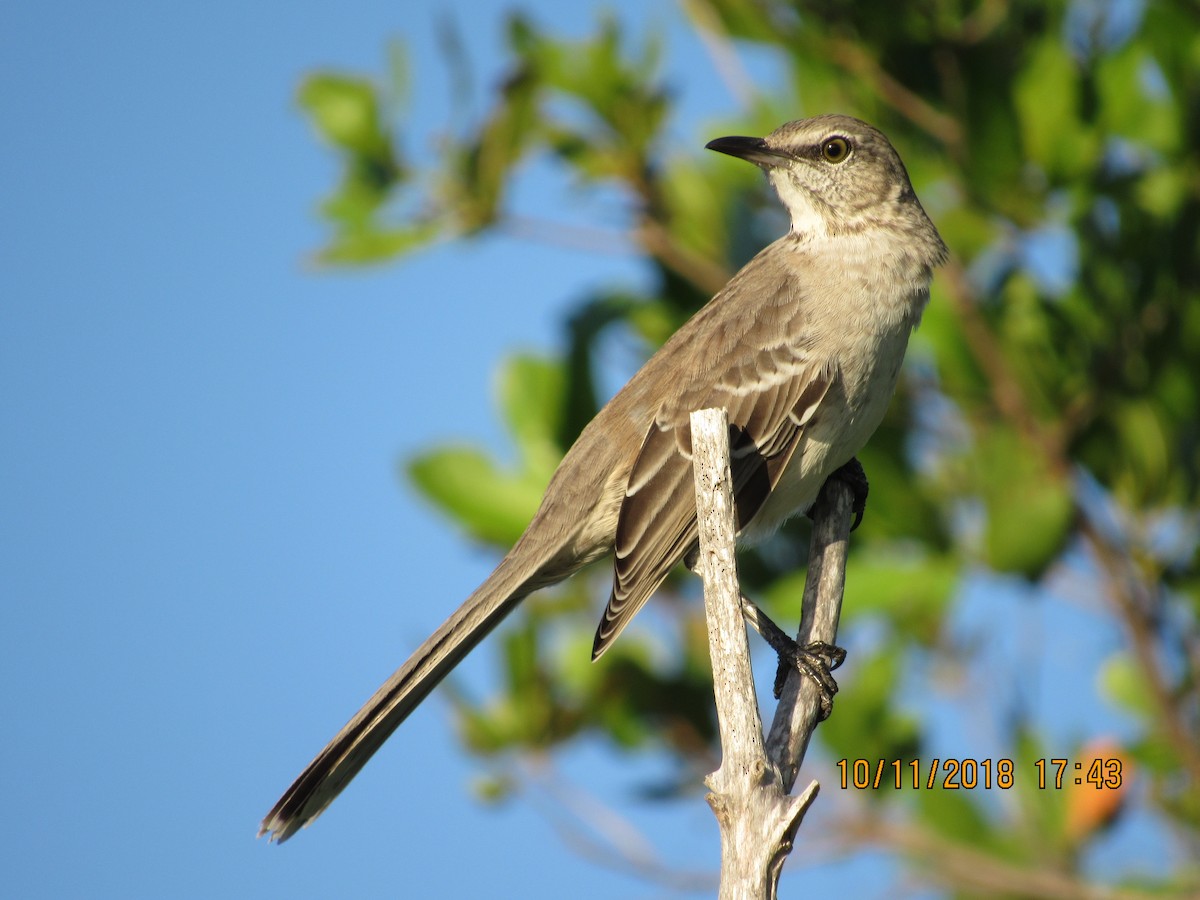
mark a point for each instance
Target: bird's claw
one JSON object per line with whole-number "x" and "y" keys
{"x": 816, "y": 660}
{"x": 852, "y": 475}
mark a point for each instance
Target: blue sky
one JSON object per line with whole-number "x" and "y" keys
{"x": 206, "y": 558}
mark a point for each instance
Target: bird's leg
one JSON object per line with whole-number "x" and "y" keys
{"x": 852, "y": 474}
{"x": 816, "y": 660}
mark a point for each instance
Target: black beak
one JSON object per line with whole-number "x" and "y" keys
{"x": 751, "y": 149}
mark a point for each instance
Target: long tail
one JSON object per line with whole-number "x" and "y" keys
{"x": 339, "y": 762}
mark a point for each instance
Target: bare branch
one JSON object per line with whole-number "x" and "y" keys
{"x": 756, "y": 816}
{"x": 715, "y": 37}
{"x": 733, "y": 679}
{"x": 656, "y": 240}
{"x": 598, "y": 833}
{"x": 854, "y": 59}
{"x": 1131, "y": 598}
{"x": 799, "y": 707}
{"x": 963, "y": 867}
{"x": 1008, "y": 395}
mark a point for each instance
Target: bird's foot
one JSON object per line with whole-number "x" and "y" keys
{"x": 852, "y": 475}
{"x": 816, "y": 660}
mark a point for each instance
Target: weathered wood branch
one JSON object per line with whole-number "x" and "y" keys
{"x": 749, "y": 793}
{"x": 799, "y": 708}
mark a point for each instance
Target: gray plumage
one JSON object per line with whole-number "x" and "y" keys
{"x": 803, "y": 347}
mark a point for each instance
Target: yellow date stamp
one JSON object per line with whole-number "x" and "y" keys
{"x": 964, "y": 773}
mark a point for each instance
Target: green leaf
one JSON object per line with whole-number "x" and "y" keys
{"x": 478, "y": 170}
{"x": 1047, "y": 100}
{"x": 1163, "y": 190}
{"x": 490, "y": 504}
{"x": 532, "y": 391}
{"x": 345, "y": 110}
{"x": 953, "y": 813}
{"x": 1147, "y": 452}
{"x": 370, "y": 246}
{"x": 1123, "y": 684}
{"x": 941, "y": 332}
{"x": 494, "y": 788}
{"x": 1029, "y": 508}
{"x": 1129, "y": 107}
{"x": 907, "y": 587}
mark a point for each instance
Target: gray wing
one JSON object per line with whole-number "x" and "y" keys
{"x": 770, "y": 395}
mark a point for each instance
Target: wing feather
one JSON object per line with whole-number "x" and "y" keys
{"x": 769, "y": 395}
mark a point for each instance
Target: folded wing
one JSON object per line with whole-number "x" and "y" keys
{"x": 770, "y": 395}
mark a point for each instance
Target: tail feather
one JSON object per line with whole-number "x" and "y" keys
{"x": 334, "y": 767}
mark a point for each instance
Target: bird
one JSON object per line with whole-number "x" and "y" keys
{"x": 802, "y": 347}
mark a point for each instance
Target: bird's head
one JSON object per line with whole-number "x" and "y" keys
{"x": 833, "y": 174}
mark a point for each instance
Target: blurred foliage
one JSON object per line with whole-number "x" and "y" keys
{"x": 1048, "y": 427}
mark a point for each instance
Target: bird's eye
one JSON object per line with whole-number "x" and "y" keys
{"x": 835, "y": 149}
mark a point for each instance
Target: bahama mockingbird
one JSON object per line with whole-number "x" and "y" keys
{"x": 802, "y": 347}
